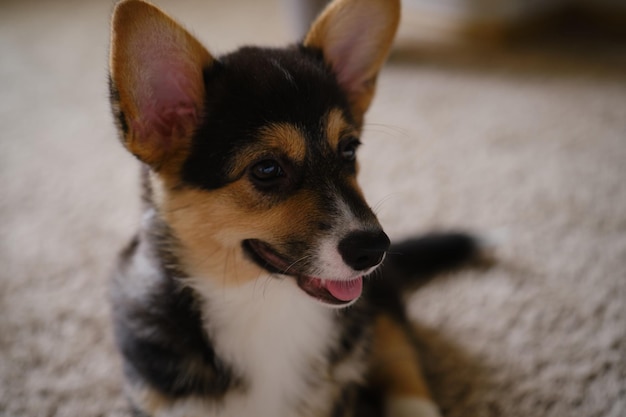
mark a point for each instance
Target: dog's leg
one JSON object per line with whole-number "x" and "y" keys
{"x": 396, "y": 371}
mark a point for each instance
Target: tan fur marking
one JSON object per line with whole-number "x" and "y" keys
{"x": 212, "y": 224}
{"x": 281, "y": 139}
{"x": 149, "y": 400}
{"x": 395, "y": 365}
{"x": 337, "y": 128}
{"x": 287, "y": 138}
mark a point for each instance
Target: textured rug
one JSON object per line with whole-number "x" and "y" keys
{"x": 526, "y": 145}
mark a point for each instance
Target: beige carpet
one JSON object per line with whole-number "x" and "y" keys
{"x": 525, "y": 145}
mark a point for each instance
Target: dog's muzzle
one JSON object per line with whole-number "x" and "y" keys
{"x": 361, "y": 251}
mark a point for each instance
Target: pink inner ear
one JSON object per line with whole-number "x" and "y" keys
{"x": 353, "y": 46}
{"x": 168, "y": 99}
{"x": 347, "y": 62}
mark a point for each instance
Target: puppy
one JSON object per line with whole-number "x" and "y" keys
{"x": 246, "y": 291}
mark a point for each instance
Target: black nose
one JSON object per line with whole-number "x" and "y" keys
{"x": 363, "y": 250}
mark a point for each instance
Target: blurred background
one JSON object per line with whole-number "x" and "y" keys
{"x": 506, "y": 118}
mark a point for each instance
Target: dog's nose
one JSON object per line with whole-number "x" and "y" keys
{"x": 362, "y": 250}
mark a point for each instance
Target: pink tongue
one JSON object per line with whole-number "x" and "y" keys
{"x": 345, "y": 290}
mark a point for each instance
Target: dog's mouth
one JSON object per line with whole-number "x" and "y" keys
{"x": 334, "y": 292}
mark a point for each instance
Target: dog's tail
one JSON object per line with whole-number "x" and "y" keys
{"x": 413, "y": 262}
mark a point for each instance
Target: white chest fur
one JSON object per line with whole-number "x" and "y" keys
{"x": 276, "y": 338}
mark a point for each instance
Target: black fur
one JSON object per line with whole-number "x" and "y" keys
{"x": 160, "y": 335}
{"x": 120, "y": 118}
{"x": 413, "y": 262}
{"x": 251, "y": 88}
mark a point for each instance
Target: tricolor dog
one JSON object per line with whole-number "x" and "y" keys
{"x": 250, "y": 288}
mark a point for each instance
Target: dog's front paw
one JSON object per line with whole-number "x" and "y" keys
{"x": 411, "y": 407}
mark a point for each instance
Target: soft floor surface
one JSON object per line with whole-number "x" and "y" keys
{"x": 525, "y": 146}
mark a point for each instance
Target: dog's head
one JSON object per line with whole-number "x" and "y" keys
{"x": 253, "y": 154}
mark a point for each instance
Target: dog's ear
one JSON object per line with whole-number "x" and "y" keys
{"x": 355, "y": 37}
{"x": 157, "y": 86}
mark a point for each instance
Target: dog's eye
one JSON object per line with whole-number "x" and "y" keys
{"x": 266, "y": 172}
{"x": 347, "y": 149}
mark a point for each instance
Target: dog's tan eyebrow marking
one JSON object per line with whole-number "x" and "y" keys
{"x": 273, "y": 140}
{"x": 284, "y": 137}
{"x": 337, "y": 127}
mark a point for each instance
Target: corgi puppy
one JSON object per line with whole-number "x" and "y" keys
{"x": 248, "y": 289}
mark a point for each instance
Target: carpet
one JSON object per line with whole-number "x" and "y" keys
{"x": 525, "y": 144}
